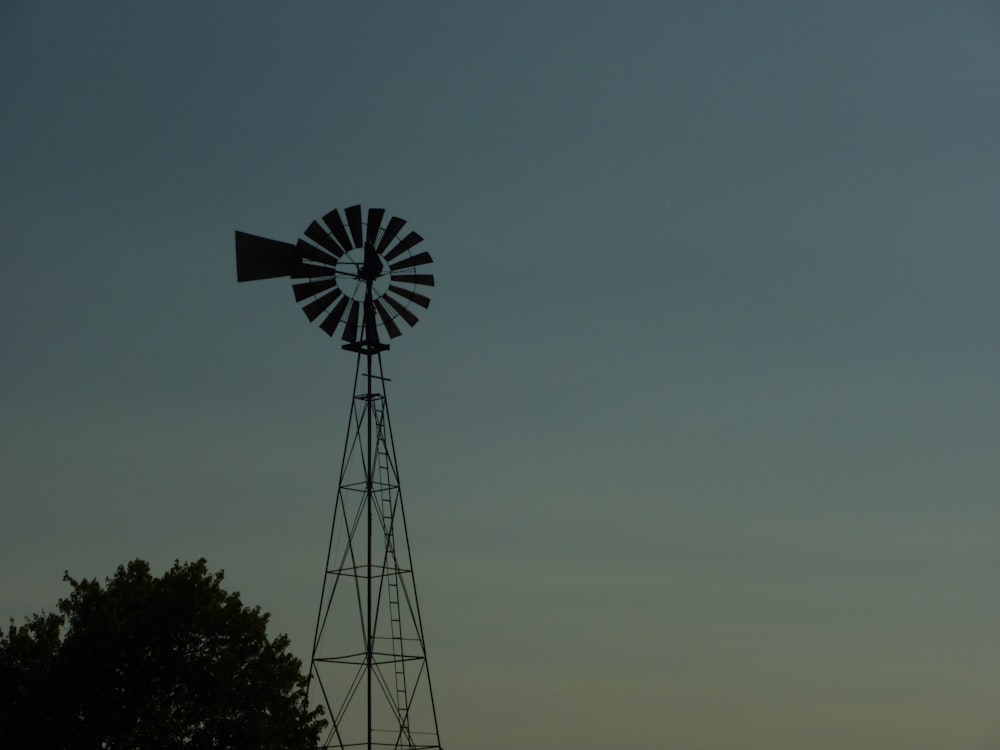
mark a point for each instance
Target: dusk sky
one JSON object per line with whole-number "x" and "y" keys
{"x": 699, "y": 435}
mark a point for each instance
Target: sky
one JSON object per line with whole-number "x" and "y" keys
{"x": 698, "y": 437}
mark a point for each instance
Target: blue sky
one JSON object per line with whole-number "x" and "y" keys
{"x": 699, "y": 434}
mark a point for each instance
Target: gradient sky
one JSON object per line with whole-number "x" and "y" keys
{"x": 699, "y": 435}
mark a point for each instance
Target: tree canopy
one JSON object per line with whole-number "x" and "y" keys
{"x": 146, "y": 662}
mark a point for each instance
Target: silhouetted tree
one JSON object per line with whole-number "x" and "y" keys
{"x": 144, "y": 662}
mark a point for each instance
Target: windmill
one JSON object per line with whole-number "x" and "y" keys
{"x": 358, "y": 275}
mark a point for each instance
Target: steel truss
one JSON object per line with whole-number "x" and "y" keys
{"x": 369, "y": 660}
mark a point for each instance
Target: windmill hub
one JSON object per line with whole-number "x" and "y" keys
{"x": 355, "y": 273}
{"x": 371, "y": 270}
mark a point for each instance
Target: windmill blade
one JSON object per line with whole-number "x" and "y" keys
{"x": 351, "y": 325}
{"x": 309, "y": 288}
{"x": 353, "y": 215}
{"x": 414, "y": 278}
{"x": 315, "y": 308}
{"x": 261, "y": 258}
{"x": 316, "y": 233}
{"x": 412, "y": 296}
{"x": 374, "y": 224}
{"x": 395, "y": 224}
{"x": 404, "y": 244}
{"x": 401, "y": 310}
{"x": 390, "y": 325}
{"x": 310, "y": 271}
{"x": 330, "y": 323}
{"x": 332, "y": 220}
{"x": 414, "y": 260}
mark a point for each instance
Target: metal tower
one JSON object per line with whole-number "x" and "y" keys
{"x": 369, "y": 660}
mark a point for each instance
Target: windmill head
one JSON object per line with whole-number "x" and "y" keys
{"x": 357, "y": 277}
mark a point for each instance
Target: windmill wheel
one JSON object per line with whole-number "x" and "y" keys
{"x": 359, "y": 277}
